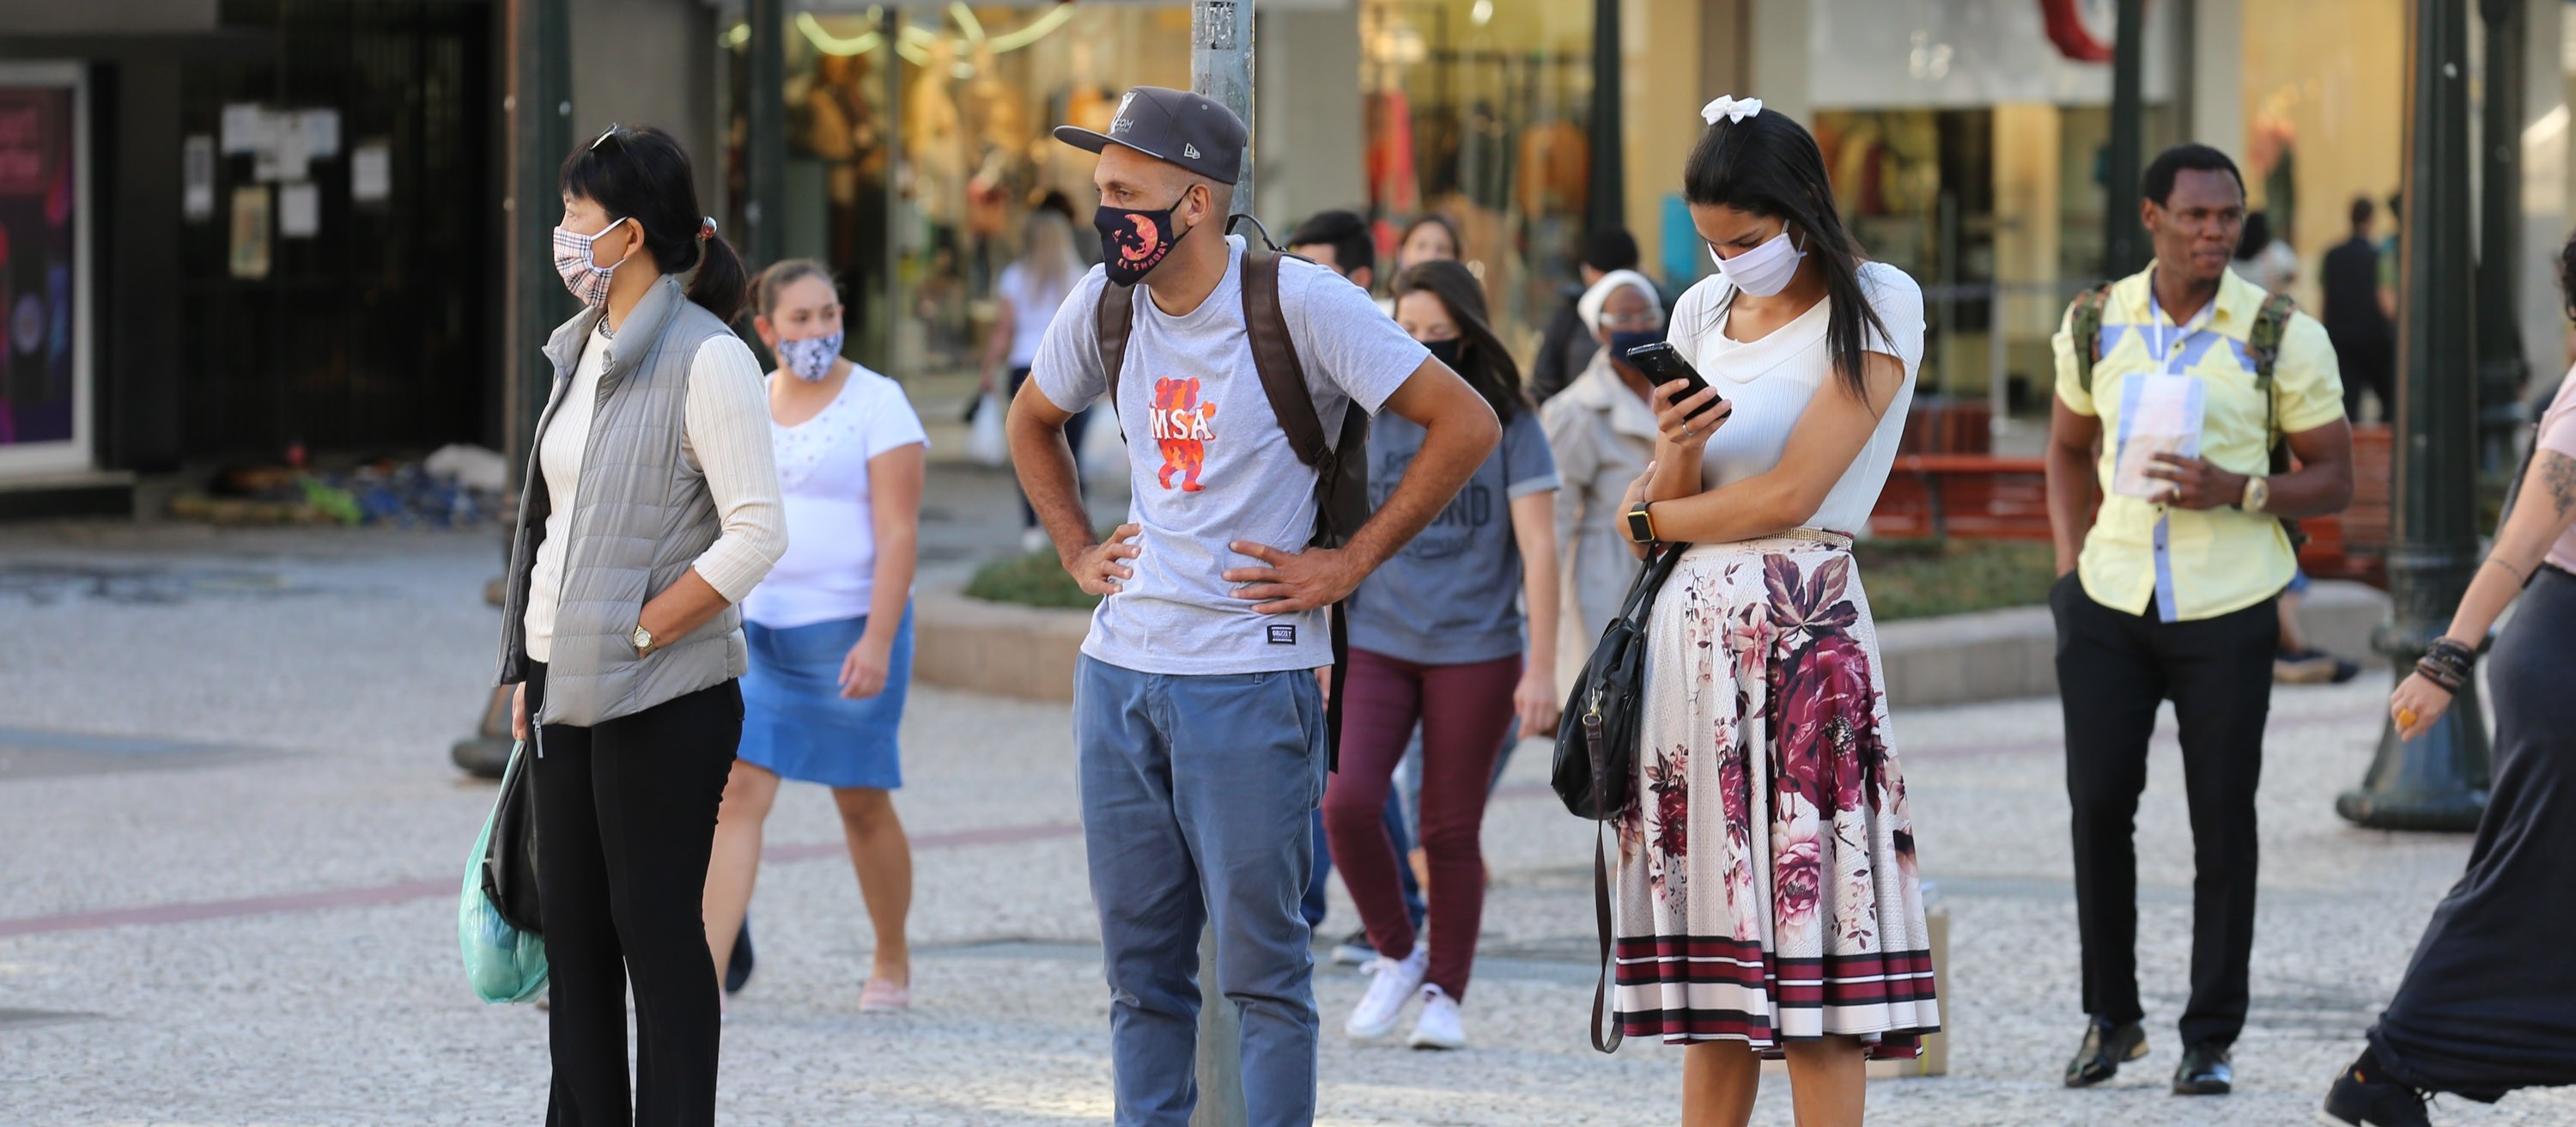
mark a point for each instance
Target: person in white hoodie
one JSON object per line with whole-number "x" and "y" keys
{"x": 1602, "y": 431}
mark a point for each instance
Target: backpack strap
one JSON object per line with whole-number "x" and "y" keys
{"x": 2084, "y": 320}
{"x": 1115, "y": 316}
{"x": 2263, "y": 350}
{"x": 1283, "y": 381}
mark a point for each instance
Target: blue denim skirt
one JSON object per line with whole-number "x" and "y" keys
{"x": 795, "y": 720}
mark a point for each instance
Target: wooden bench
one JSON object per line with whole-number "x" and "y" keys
{"x": 1979, "y": 496}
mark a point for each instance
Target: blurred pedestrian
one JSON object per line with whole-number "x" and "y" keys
{"x": 1602, "y": 432}
{"x": 830, "y": 630}
{"x": 1201, "y": 727}
{"x": 1028, "y": 294}
{"x": 2483, "y": 1009}
{"x": 1437, "y": 639}
{"x": 1767, "y": 897}
{"x": 2167, "y": 593}
{"x": 1429, "y": 237}
{"x": 2365, "y": 343}
{"x": 651, "y": 508}
{"x": 1340, "y": 240}
{"x": 2264, "y": 258}
{"x": 1568, "y": 343}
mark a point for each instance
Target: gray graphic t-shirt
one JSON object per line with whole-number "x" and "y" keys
{"x": 1453, "y": 595}
{"x": 1208, "y": 462}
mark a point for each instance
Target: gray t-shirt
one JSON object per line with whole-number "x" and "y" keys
{"x": 1453, "y": 594}
{"x": 1209, "y": 464}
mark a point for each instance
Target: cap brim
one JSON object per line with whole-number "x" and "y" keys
{"x": 1092, "y": 142}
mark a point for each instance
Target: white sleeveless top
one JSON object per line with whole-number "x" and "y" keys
{"x": 1771, "y": 380}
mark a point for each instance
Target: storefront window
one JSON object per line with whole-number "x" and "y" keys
{"x": 914, "y": 185}
{"x": 1476, "y": 111}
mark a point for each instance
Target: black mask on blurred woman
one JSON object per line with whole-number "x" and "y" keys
{"x": 1625, "y": 341}
{"x": 1447, "y": 351}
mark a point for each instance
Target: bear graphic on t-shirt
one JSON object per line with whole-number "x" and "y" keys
{"x": 1181, "y": 430}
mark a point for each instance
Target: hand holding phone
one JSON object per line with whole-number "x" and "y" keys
{"x": 1662, "y": 364}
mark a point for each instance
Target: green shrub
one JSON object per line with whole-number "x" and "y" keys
{"x": 1923, "y": 578}
{"x": 1036, "y": 579}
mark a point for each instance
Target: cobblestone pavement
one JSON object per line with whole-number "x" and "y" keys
{"x": 232, "y": 842}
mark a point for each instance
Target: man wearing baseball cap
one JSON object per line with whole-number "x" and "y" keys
{"x": 1201, "y": 731}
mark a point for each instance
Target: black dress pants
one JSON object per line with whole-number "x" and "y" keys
{"x": 2113, "y": 669}
{"x": 626, "y": 817}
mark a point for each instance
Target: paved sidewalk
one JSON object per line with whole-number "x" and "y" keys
{"x": 233, "y": 842}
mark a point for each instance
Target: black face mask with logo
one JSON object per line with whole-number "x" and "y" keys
{"x": 1133, "y": 241}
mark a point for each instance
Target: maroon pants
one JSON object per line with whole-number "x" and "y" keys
{"x": 1464, "y": 710}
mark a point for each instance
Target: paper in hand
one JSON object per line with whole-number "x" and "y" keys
{"x": 2159, "y": 414}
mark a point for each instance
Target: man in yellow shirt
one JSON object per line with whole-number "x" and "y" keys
{"x": 2167, "y": 592}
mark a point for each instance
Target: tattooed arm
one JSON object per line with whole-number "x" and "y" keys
{"x": 2544, "y": 507}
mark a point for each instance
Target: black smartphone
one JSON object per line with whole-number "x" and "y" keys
{"x": 1662, "y": 363}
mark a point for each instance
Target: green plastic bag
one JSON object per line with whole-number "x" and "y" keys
{"x": 504, "y": 963}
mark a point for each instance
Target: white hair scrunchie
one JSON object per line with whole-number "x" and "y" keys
{"x": 1731, "y": 108}
{"x": 1589, "y": 305}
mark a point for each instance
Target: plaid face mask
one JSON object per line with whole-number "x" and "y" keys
{"x": 582, "y": 274}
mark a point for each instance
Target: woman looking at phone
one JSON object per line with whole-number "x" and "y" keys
{"x": 1767, "y": 897}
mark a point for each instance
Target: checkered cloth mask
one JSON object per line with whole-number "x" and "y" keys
{"x": 582, "y": 274}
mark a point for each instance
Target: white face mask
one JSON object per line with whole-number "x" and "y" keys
{"x": 1764, "y": 270}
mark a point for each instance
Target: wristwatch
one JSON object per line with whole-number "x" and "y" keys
{"x": 2258, "y": 493}
{"x": 1641, "y": 524}
{"x": 643, "y": 641}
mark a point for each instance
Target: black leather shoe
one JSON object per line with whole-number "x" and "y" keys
{"x": 2107, "y": 1044}
{"x": 2365, "y": 1094}
{"x": 738, "y": 962}
{"x": 2204, "y": 1071}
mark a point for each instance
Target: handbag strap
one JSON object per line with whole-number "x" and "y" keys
{"x": 1603, "y": 927}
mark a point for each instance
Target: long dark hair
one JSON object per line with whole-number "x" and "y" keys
{"x": 644, "y": 175}
{"x": 1769, "y": 165}
{"x": 1483, "y": 361}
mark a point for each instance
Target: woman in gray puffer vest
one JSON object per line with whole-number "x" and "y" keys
{"x": 651, "y": 509}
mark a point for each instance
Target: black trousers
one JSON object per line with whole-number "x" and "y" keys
{"x": 2113, "y": 669}
{"x": 626, "y": 816}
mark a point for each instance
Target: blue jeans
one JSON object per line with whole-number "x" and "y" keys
{"x": 1314, "y": 905}
{"x": 1197, "y": 794}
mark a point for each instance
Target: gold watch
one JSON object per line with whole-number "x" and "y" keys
{"x": 1641, "y": 524}
{"x": 2258, "y": 493}
{"x": 643, "y": 641}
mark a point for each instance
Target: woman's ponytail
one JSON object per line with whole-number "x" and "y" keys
{"x": 722, "y": 283}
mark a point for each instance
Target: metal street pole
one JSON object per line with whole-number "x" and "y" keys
{"x": 1221, "y": 68}
{"x": 2501, "y": 368}
{"x": 1606, "y": 189}
{"x": 539, "y": 107}
{"x": 764, "y": 127}
{"x": 2124, "y": 242}
{"x": 2437, "y": 781}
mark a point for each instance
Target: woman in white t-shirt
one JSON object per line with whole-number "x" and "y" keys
{"x": 1029, "y": 292}
{"x": 1768, "y": 902}
{"x": 830, "y": 631}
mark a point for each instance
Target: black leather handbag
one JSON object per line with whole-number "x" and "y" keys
{"x": 1596, "y": 744}
{"x": 510, "y": 860}
{"x": 1596, "y": 751}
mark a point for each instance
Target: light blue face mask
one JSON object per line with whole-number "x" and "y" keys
{"x": 810, "y": 359}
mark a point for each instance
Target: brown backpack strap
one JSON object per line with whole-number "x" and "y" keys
{"x": 1115, "y": 317}
{"x": 1274, "y": 354}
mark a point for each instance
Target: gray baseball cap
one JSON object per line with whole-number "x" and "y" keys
{"x": 1177, "y": 127}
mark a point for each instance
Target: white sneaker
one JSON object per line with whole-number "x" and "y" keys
{"x": 1392, "y": 983}
{"x": 1438, "y": 1027}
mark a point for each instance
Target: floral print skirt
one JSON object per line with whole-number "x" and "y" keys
{"x": 1766, "y": 888}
